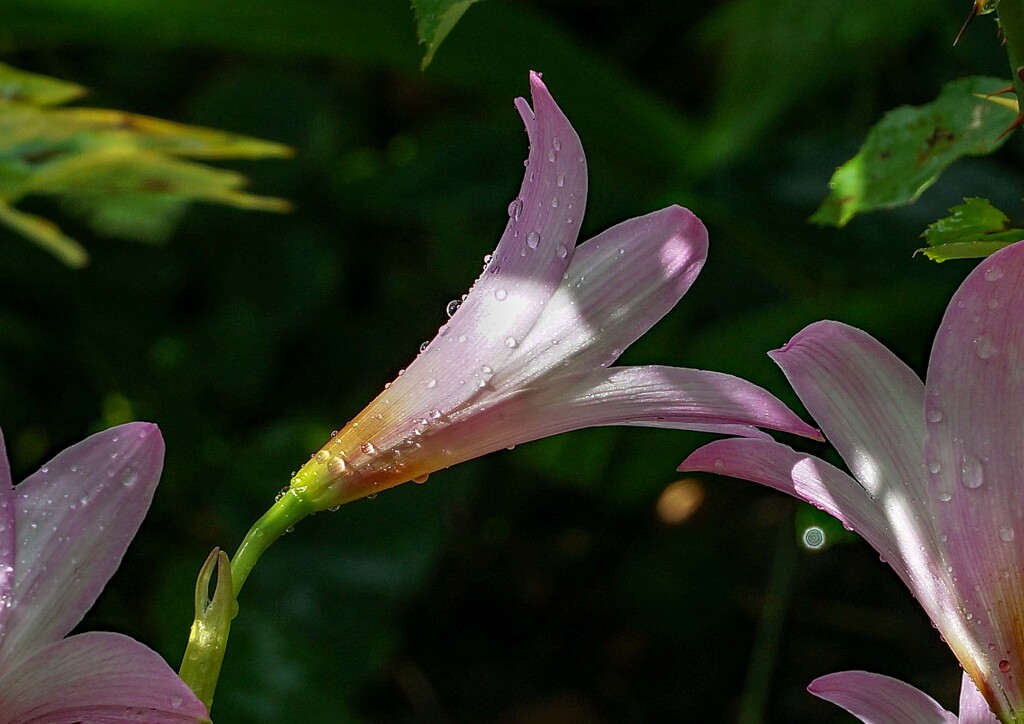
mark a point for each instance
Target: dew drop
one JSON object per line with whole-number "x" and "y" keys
{"x": 486, "y": 370}
{"x": 945, "y": 497}
{"x": 453, "y": 306}
{"x": 814, "y": 537}
{"x": 1004, "y": 665}
{"x": 322, "y": 456}
{"x": 934, "y": 415}
{"x": 555, "y": 144}
{"x": 934, "y": 467}
{"x": 1006, "y": 534}
{"x": 973, "y": 475}
{"x": 431, "y": 383}
{"x": 462, "y": 338}
{"x": 368, "y": 448}
{"x": 554, "y": 202}
{"x": 561, "y": 251}
{"x": 560, "y": 180}
{"x": 551, "y": 156}
{"x": 532, "y": 239}
{"x": 515, "y": 209}
{"x": 423, "y": 347}
{"x": 420, "y": 479}
{"x": 337, "y": 466}
{"x": 371, "y": 496}
{"x": 993, "y": 274}
{"x": 983, "y": 346}
{"x": 500, "y": 295}
{"x": 510, "y": 342}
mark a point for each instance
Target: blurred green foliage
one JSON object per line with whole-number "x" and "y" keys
{"x": 434, "y": 20}
{"x": 537, "y": 584}
{"x": 126, "y": 174}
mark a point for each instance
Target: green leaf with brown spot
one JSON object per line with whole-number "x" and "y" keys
{"x": 973, "y": 229}
{"x": 907, "y": 150}
{"x": 435, "y": 19}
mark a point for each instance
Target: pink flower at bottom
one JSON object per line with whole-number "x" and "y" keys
{"x": 63, "y": 532}
{"x": 937, "y": 484}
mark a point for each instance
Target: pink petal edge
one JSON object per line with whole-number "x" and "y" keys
{"x": 75, "y": 518}
{"x": 100, "y": 678}
{"x": 877, "y": 699}
{"x": 8, "y": 549}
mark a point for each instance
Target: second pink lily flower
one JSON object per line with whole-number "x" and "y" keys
{"x": 938, "y": 479}
{"x": 527, "y": 353}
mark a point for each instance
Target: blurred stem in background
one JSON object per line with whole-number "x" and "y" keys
{"x": 769, "y": 630}
{"x": 208, "y": 639}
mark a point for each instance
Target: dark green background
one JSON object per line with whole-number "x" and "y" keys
{"x": 536, "y": 585}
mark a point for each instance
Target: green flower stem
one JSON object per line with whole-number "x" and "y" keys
{"x": 1011, "y": 22}
{"x": 208, "y": 640}
{"x": 289, "y": 509}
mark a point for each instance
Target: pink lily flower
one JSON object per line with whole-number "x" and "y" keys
{"x": 937, "y": 467}
{"x": 527, "y": 353}
{"x": 63, "y": 532}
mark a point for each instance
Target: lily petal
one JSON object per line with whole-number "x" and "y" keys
{"x": 973, "y": 707}
{"x": 510, "y": 294}
{"x": 877, "y": 699}
{"x": 975, "y": 418}
{"x": 869, "y": 403}
{"x": 805, "y": 477}
{"x": 101, "y": 678}
{"x": 7, "y": 538}
{"x": 75, "y": 518}
{"x": 646, "y": 396}
{"x": 617, "y": 286}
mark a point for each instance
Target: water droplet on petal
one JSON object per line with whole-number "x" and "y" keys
{"x": 554, "y": 202}
{"x": 934, "y": 467}
{"x": 934, "y": 415}
{"x": 555, "y": 144}
{"x": 993, "y": 273}
{"x": 424, "y": 346}
{"x": 453, "y": 306}
{"x": 532, "y": 239}
{"x": 560, "y": 180}
{"x": 337, "y": 465}
{"x": 322, "y": 456}
{"x": 973, "y": 475}
{"x": 431, "y": 383}
{"x": 1004, "y": 666}
{"x": 551, "y": 156}
{"x": 945, "y": 497}
{"x": 1006, "y": 534}
{"x": 368, "y": 448}
{"x": 486, "y": 370}
{"x": 515, "y": 209}
{"x": 500, "y": 294}
{"x": 561, "y": 251}
{"x": 420, "y": 479}
{"x": 983, "y": 346}
{"x": 510, "y": 342}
